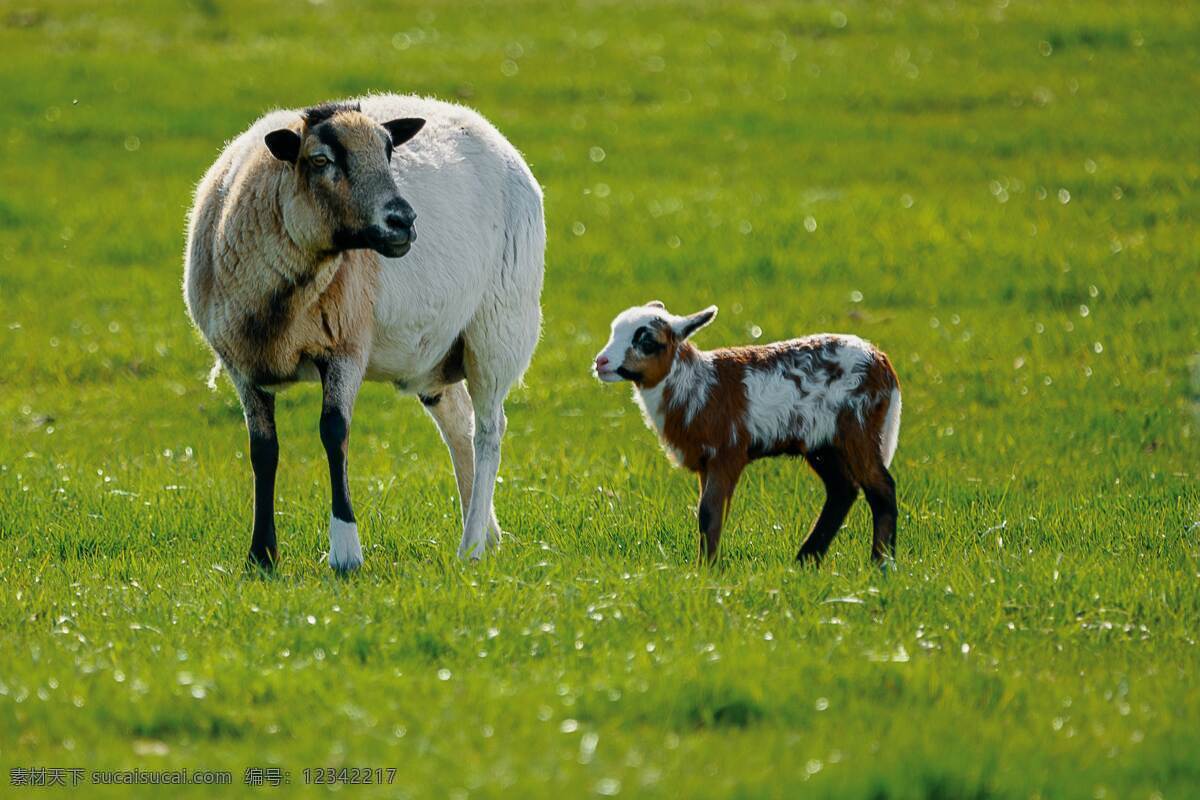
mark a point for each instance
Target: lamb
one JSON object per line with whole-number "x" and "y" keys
{"x": 302, "y": 264}
{"x": 833, "y": 399}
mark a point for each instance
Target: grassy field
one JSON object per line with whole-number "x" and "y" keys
{"x": 1002, "y": 195}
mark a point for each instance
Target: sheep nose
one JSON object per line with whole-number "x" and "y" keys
{"x": 399, "y": 215}
{"x": 399, "y": 222}
{"x": 601, "y": 362}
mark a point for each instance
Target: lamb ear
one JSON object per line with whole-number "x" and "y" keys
{"x": 403, "y": 129}
{"x": 284, "y": 144}
{"x": 655, "y": 304}
{"x": 688, "y": 325}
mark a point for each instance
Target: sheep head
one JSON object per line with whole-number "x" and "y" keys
{"x": 343, "y": 194}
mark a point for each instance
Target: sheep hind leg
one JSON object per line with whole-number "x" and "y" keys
{"x": 865, "y": 463}
{"x": 840, "y": 494}
{"x": 498, "y": 344}
{"x": 451, "y": 411}
{"x": 489, "y": 429}
{"x": 487, "y": 383}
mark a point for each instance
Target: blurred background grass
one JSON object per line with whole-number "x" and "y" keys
{"x": 1002, "y": 195}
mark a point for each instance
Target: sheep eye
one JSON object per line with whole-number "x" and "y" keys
{"x": 319, "y": 161}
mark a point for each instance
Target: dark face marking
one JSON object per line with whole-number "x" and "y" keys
{"x": 629, "y": 374}
{"x": 647, "y": 343}
{"x": 327, "y": 135}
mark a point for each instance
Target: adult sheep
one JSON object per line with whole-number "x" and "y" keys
{"x": 302, "y": 264}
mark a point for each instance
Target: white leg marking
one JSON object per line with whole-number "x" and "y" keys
{"x": 345, "y": 552}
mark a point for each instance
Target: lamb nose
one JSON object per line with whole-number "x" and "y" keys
{"x": 601, "y": 361}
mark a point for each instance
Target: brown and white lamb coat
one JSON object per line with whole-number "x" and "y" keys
{"x": 833, "y": 399}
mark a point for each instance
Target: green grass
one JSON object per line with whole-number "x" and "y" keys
{"x": 1003, "y": 196}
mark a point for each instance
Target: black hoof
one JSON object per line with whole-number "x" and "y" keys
{"x": 263, "y": 560}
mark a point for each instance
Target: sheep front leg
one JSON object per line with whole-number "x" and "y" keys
{"x": 716, "y": 495}
{"x": 341, "y": 378}
{"x": 259, "y": 409}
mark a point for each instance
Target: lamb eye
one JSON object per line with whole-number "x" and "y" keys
{"x": 319, "y": 161}
{"x": 644, "y": 340}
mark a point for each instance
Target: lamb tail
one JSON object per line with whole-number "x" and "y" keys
{"x": 891, "y": 429}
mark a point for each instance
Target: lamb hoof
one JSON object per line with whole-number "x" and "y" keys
{"x": 345, "y": 551}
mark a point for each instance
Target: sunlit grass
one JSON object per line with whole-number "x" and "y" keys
{"x": 1002, "y": 196}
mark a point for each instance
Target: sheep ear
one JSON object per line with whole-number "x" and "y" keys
{"x": 655, "y": 304}
{"x": 403, "y": 129}
{"x": 284, "y": 144}
{"x": 689, "y": 325}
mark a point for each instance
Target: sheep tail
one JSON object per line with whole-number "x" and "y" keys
{"x": 214, "y": 374}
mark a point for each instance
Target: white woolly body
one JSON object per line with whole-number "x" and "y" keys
{"x": 477, "y": 264}
{"x": 794, "y": 400}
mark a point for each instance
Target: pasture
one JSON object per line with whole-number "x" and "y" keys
{"x": 1002, "y": 195}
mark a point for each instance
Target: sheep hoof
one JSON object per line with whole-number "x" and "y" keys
{"x": 345, "y": 551}
{"x": 262, "y": 562}
{"x": 345, "y": 567}
{"x": 472, "y": 552}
